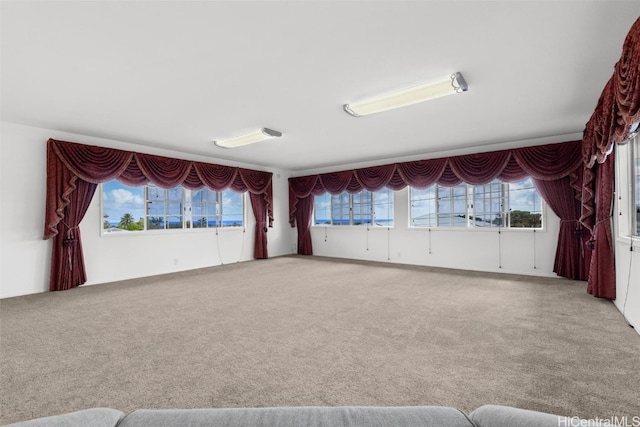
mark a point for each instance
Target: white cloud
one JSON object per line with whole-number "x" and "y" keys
{"x": 121, "y": 197}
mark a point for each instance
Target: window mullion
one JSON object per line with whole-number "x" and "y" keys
{"x": 351, "y": 221}
{"x": 218, "y": 209}
{"x": 504, "y": 203}
{"x": 372, "y": 208}
{"x": 470, "y": 205}
{"x": 452, "y": 208}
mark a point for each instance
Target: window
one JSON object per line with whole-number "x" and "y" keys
{"x": 525, "y": 205}
{"x": 215, "y": 208}
{"x": 452, "y": 206}
{"x": 496, "y": 204}
{"x": 150, "y": 207}
{"x": 363, "y": 208}
{"x": 322, "y": 209}
{"x": 383, "y": 208}
{"x": 340, "y": 209}
{"x": 636, "y": 183}
{"x": 123, "y": 207}
{"x": 489, "y": 203}
{"x": 423, "y": 207}
{"x": 164, "y": 207}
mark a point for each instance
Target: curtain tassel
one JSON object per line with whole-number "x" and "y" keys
{"x": 69, "y": 243}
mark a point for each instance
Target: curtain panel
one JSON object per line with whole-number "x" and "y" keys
{"x": 74, "y": 170}
{"x": 563, "y": 197}
{"x": 555, "y": 168}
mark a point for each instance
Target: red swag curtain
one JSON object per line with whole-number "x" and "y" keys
{"x": 562, "y": 196}
{"x": 602, "y": 275}
{"x": 67, "y": 262}
{"x": 554, "y": 167}
{"x": 615, "y": 116}
{"x": 74, "y": 170}
{"x": 304, "y": 217}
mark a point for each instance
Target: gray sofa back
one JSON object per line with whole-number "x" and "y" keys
{"x": 94, "y": 417}
{"x": 308, "y": 416}
{"x": 349, "y": 416}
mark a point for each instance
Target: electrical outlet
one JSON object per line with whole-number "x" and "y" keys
{"x": 176, "y": 261}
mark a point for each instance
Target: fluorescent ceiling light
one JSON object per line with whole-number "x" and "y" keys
{"x": 250, "y": 138}
{"x": 413, "y": 95}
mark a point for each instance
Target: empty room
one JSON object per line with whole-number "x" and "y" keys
{"x": 320, "y": 213}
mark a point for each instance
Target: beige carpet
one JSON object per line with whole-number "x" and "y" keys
{"x": 316, "y": 331}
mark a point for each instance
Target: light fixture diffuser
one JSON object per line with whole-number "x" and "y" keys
{"x": 409, "y": 96}
{"x": 250, "y": 138}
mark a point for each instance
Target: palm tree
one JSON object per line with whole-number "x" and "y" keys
{"x": 126, "y": 221}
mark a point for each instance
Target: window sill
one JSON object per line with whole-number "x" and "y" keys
{"x": 481, "y": 229}
{"x": 629, "y": 241}
{"x": 353, "y": 227}
{"x": 165, "y": 232}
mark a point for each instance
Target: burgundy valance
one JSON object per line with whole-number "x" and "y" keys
{"x": 545, "y": 162}
{"x": 74, "y": 170}
{"x": 615, "y": 116}
{"x": 626, "y": 85}
{"x": 618, "y": 109}
{"x": 98, "y": 164}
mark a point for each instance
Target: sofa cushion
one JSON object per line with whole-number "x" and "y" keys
{"x": 427, "y": 416}
{"x": 505, "y": 416}
{"x": 94, "y": 417}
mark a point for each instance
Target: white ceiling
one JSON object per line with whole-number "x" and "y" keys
{"x": 178, "y": 74}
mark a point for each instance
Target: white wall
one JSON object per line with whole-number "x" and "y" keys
{"x": 25, "y": 256}
{"x": 511, "y": 251}
{"x": 627, "y": 246}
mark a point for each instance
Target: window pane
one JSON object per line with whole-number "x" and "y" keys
{"x": 155, "y": 192}
{"x": 122, "y": 207}
{"x": 175, "y": 208}
{"x": 322, "y": 209}
{"x": 361, "y": 208}
{"x": 383, "y": 207}
{"x": 203, "y": 208}
{"x": 444, "y": 199}
{"x": 232, "y": 207}
{"x": 340, "y": 209}
{"x": 175, "y": 193}
{"x": 444, "y": 220}
{"x": 458, "y": 205}
{"x": 164, "y": 207}
{"x": 488, "y": 204}
{"x": 174, "y": 221}
{"x": 525, "y": 205}
{"x": 423, "y": 207}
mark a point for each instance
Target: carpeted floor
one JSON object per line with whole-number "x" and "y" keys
{"x": 293, "y": 331}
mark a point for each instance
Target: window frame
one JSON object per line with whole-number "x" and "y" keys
{"x": 472, "y": 211}
{"x": 634, "y": 177}
{"x": 167, "y": 202}
{"x": 187, "y": 217}
{"x": 371, "y": 213}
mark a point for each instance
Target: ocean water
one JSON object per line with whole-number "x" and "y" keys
{"x": 378, "y": 222}
{"x": 177, "y": 224}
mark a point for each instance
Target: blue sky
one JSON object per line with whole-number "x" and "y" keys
{"x": 118, "y": 199}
